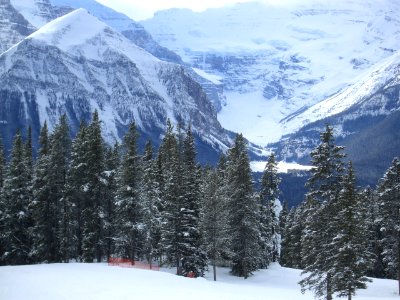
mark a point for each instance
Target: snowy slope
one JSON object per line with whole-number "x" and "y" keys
{"x": 385, "y": 73}
{"x": 275, "y": 60}
{"x": 100, "y": 282}
{"x": 67, "y": 69}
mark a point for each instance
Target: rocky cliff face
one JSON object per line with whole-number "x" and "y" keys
{"x": 62, "y": 69}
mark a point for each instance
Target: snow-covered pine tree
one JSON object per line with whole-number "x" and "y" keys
{"x": 59, "y": 163}
{"x": 129, "y": 236}
{"x": 17, "y": 219}
{"x": 150, "y": 194}
{"x": 45, "y": 211}
{"x": 214, "y": 214}
{"x": 73, "y": 203}
{"x": 243, "y": 212}
{"x": 389, "y": 212}
{"x": 324, "y": 187}
{"x": 372, "y": 231}
{"x": 352, "y": 258}
{"x": 270, "y": 209}
{"x": 94, "y": 194}
{"x": 194, "y": 257}
{"x": 2, "y": 204}
{"x": 112, "y": 162}
{"x": 171, "y": 197}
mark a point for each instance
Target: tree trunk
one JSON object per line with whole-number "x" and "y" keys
{"x": 215, "y": 271}
{"x": 398, "y": 259}
{"x": 349, "y": 295}
{"x": 328, "y": 287}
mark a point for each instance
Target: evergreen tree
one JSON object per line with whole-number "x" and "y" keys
{"x": 270, "y": 208}
{"x": 45, "y": 213}
{"x": 94, "y": 194}
{"x": 17, "y": 218}
{"x": 2, "y": 201}
{"x": 214, "y": 220}
{"x": 73, "y": 202}
{"x": 352, "y": 258}
{"x": 324, "y": 187}
{"x": 59, "y": 163}
{"x": 129, "y": 209}
{"x": 194, "y": 258}
{"x": 112, "y": 161}
{"x": 243, "y": 212}
{"x": 171, "y": 179}
{"x": 151, "y": 202}
{"x": 389, "y": 195}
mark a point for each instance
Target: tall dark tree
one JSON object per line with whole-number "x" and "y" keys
{"x": 128, "y": 207}
{"x": 151, "y": 203}
{"x": 2, "y": 200}
{"x": 352, "y": 258}
{"x": 270, "y": 208}
{"x": 389, "y": 199}
{"x": 169, "y": 162}
{"x": 243, "y": 212}
{"x": 214, "y": 220}
{"x": 112, "y": 161}
{"x": 94, "y": 193}
{"x": 194, "y": 257}
{"x": 17, "y": 219}
{"x": 324, "y": 187}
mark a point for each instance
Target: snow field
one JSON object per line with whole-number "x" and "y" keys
{"x": 79, "y": 281}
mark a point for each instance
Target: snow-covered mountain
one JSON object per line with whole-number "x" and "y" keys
{"x": 277, "y": 60}
{"x": 62, "y": 68}
{"x": 366, "y": 119}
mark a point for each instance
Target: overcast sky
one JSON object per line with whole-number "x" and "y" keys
{"x": 143, "y": 9}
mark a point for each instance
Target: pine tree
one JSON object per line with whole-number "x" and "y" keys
{"x": 352, "y": 258}
{"x": 171, "y": 183}
{"x": 389, "y": 195}
{"x": 270, "y": 208}
{"x": 94, "y": 194}
{"x": 73, "y": 203}
{"x": 59, "y": 163}
{"x": 112, "y": 161}
{"x": 151, "y": 202}
{"x": 324, "y": 187}
{"x": 128, "y": 206}
{"x": 243, "y": 212}
{"x": 2, "y": 201}
{"x": 214, "y": 216}
{"x": 17, "y": 219}
{"x": 194, "y": 259}
{"x": 45, "y": 213}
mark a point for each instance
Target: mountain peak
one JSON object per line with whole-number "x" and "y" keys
{"x": 66, "y": 31}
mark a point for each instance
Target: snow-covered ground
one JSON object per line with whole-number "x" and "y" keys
{"x": 101, "y": 282}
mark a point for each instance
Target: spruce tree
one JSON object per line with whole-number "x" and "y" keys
{"x": 352, "y": 258}
{"x": 171, "y": 179}
{"x": 324, "y": 187}
{"x": 94, "y": 194}
{"x": 112, "y": 161}
{"x": 17, "y": 219}
{"x": 270, "y": 209}
{"x": 389, "y": 213}
{"x": 128, "y": 207}
{"x": 243, "y": 212}
{"x": 45, "y": 212}
{"x": 151, "y": 202}
{"x": 2, "y": 201}
{"x": 73, "y": 203}
{"x": 214, "y": 216}
{"x": 194, "y": 257}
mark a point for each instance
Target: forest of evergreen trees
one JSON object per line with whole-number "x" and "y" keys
{"x": 83, "y": 200}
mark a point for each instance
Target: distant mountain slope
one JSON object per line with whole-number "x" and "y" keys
{"x": 278, "y": 59}
{"x": 366, "y": 119}
{"x": 62, "y": 68}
